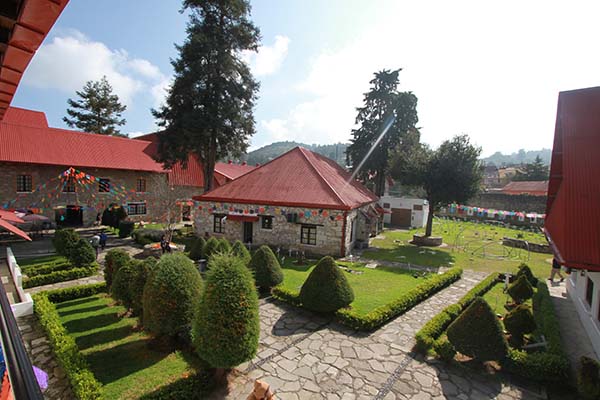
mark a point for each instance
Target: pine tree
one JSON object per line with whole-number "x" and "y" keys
{"x": 536, "y": 171}
{"x": 97, "y": 111}
{"x": 208, "y": 110}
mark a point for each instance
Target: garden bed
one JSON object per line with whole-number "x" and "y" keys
{"x": 52, "y": 269}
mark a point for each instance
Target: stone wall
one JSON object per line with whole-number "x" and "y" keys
{"x": 510, "y": 202}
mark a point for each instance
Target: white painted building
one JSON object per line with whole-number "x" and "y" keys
{"x": 584, "y": 289}
{"x": 404, "y": 212}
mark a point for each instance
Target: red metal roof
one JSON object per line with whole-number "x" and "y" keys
{"x": 297, "y": 178}
{"x": 232, "y": 171}
{"x": 534, "y": 188}
{"x": 11, "y": 228}
{"x": 28, "y": 31}
{"x": 21, "y": 116}
{"x": 573, "y": 209}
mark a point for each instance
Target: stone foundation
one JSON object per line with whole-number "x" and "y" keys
{"x": 523, "y": 244}
{"x": 429, "y": 241}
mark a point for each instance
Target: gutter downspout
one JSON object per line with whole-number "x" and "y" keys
{"x": 343, "y": 247}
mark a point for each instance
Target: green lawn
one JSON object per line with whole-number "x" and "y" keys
{"x": 496, "y": 298}
{"x": 120, "y": 356}
{"x": 51, "y": 259}
{"x": 372, "y": 288}
{"x": 467, "y": 245}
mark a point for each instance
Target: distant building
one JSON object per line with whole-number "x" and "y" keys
{"x": 404, "y": 212}
{"x": 491, "y": 178}
{"x": 532, "y": 188}
{"x": 506, "y": 174}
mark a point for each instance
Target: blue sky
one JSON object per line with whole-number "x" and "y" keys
{"x": 492, "y": 71}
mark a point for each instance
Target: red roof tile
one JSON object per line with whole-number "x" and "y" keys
{"x": 297, "y": 178}
{"x": 21, "y": 116}
{"x": 534, "y": 188}
{"x": 573, "y": 213}
{"x": 232, "y": 171}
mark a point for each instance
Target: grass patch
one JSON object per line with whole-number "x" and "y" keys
{"x": 496, "y": 298}
{"x": 45, "y": 260}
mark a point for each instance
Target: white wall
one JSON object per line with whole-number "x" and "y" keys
{"x": 418, "y": 217}
{"x": 25, "y": 304}
{"x": 588, "y": 314}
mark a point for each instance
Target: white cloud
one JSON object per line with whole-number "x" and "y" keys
{"x": 268, "y": 59}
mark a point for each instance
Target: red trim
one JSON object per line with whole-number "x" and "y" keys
{"x": 243, "y": 218}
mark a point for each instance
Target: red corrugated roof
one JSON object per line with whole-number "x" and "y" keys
{"x": 297, "y": 178}
{"x": 573, "y": 210}
{"x": 21, "y": 116}
{"x": 232, "y": 171}
{"x": 534, "y": 188}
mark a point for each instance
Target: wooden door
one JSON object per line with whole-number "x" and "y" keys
{"x": 401, "y": 217}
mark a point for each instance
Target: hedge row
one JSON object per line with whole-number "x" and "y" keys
{"x": 75, "y": 292}
{"x": 46, "y": 268}
{"x": 383, "y": 314}
{"x": 84, "y": 384}
{"x": 57, "y": 260}
{"x": 60, "y": 276}
{"x": 428, "y": 334}
{"x": 289, "y": 296}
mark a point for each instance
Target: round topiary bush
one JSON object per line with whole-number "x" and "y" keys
{"x": 226, "y": 327}
{"x": 520, "y": 290}
{"x": 240, "y": 251}
{"x": 266, "y": 268}
{"x": 223, "y": 247}
{"x": 170, "y": 295}
{"x": 477, "y": 333}
{"x": 526, "y": 271}
{"x": 519, "y": 322}
{"x": 64, "y": 240}
{"x": 121, "y": 282}
{"x": 326, "y": 289}
{"x": 211, "y": 247}
{"x": 114, "y": 260}
{"x": 82, "y": 254}
{"x": 126, "y": 228}
{"x": 141, "y": 271}
{"x": 197, "y": 249}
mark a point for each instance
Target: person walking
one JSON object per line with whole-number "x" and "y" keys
{"x": 555, "y": 271}
{"x": 95, "y": 242}
{"x": 103, "y": 239}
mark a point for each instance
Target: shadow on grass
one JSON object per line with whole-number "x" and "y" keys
{"x": 91, "y": 322}
{"x": 75, "y": 302}
{"x": 195, "y": 387}
{"x": 106, "y": 336}
{"x": 423, "y": 256}
{"x": 82, "y": 310}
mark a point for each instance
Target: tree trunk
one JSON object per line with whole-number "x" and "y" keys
{"x": 380, "y": 183}
{"x": 209, "y": 162}
{"x": 429, "y": 226}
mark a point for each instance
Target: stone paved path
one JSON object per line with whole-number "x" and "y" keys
{"x": 303, "y": 357}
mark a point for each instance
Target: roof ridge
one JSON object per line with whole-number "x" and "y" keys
{"x": 321, "y": 175}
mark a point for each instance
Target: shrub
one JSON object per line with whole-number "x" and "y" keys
{"x": 266, "y": 268}
{"x": 226, "y": 327}
{"x": 444, "y": 348}
{"x": 82, "y": 254}
{"x": 519, "y": 321}
{"x": 119, "y": 289}
{"x": 84, "y": 384}
{"x": 520, "y": 290}
{"x": 45, "y": 269}
{"x": 146, "y": 236}
{"x": 170, "y": 296}
{"x": 113, "y": 215}
{"x": 64, "y": 240}
{"x": 540, "y": 366}
{"x": 141, "y": 271}
{"x": 588, "y": 378}
{"x": 326, "y": 289}
{"x": 287, "y": 295}
{"x": 210, "y": 247}
{"x": 223, "y": 246}
{"x": 75, "y": 292}
{"x": 477, "y": 333}
{"x": 126, "y": 228}
{"x": 60, "y": 276}
{"x": 545, "y": 318}
{"x": 240, "y": 251}
{"x": 114, "y": 260}
{"x": 197, "y": 249}
{"x": 526, "y": 271}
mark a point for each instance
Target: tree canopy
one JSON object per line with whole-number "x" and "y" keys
{"x": 382, "y": 102}
{"x": 535, "y": 171}
{"x": 97, "y": 111}
{"x": 208, "y": 109}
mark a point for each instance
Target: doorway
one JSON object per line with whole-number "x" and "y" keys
{"x": 248, "y": 232}
{"x": 71, "y": 216}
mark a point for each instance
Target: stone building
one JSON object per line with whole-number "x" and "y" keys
{"x": 299, "y": 201}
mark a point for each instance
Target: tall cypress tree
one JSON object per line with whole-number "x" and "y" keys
{"x": 97, "y": 111}
{"x": 380, "y": 103}
{"x": 208, "y": 110}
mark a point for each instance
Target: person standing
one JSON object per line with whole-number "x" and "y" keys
{"x": 95, "y": 242}
{"x": 555, "y": 271}
{"x": 103, "y": 239}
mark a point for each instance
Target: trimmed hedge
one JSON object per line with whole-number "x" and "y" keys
{"x": 383, "y": 314}
{"x": 519, "y": 322}
{"x": 64, "y": 240}
{"x": 223, "y": 247}
{"x": 588, "y": 378}
{"x": 120, "y": 287}
{"x": 75, "y": 292}
{"x": 240, "y": 251}
{"x": 60, "y": 276}
{"x": 126, "y": 228}
{"x": 141, "y": 271}
{"x": 82, "y": 254}
{"x": 287, "y": 295}
{"x": 265, "y": 266}
{"x": 325, "y": 290}
{"x": 520, "y": 290}
{"x": 114, "y": 260}
{"x": 44, "y": 269}
{"x": 197, "y": 249}
{"x": 84, "y": 384}
{"x": 210, "y": 247}
{"x": 428, "y": 334}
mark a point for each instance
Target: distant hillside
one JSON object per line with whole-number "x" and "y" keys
{"x": 520, "y": 157}
{"x": 336, "y": 151}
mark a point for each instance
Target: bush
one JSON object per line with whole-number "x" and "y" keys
{"x": 287, "y": 295}
{"x": 211, "y": 247}
{"x": 114, "y": 260}
{"x": 75, "y": 292}
{"x": 540, "y": 367}
{"x": 326, "y": 289}
{"x": 146, "y": 236}
{"x": 84, "y": 384}
{"x": 477, "y": 333}
{"x": 141, "y": 271}
{"x": 197, "y": 249}
{"x": 545, "y": 319}
{"x": 383, "y": 314}
{"x": 240, "y": 251}
{"x": 526, "y": 271}
{"x": 588, "y": 378}
{"x": 126, "y": 228}
{"x": 520, "y": 290}
{"x": 113, "y": 215}
{"x": 223, "y": 247}
{"x": 226, "y": 327}
{"x": 444, "y": 348}
{"x": 519, "y": 322}
{"x": 60, "y": 276}
{"x": 266, "y": 268}
{"x": 64, "y": 240}
{"x": 170, "y": 296}
{"x": 45, "y": 269}
{"x": 82, "y": 254}
{"x": 119, "y": 289}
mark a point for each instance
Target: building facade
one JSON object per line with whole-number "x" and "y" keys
{"x": 404, "y": 212}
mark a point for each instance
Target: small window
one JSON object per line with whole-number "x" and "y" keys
{"x": 140, "y": 185}
{"x": 137, "y": 208}
{"x": 386, "y": 205}
{"x": 24, "y": 183}
{"x": 186, "y": 213}
{"x": 218, "y": 223}
{"x": 308, "y": 235}
{"x": 69, "y": 185}
{"x": 267, "y": 222}
{"x": 589, "y": 292}
{"x": 417, "y": 207}
{"x": 104, "y": 185}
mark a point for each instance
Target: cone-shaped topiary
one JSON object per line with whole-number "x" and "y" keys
{"x": 82, "y": 254}
{"x": 240, "y": 251}
{"x": 114, "y": 260}
{"x": 266, "y": 268}
{"x": 223, "y": 247}
{"x": 226, "y": 327}
{"x": 197, "y": 249}
{"x": 64, "y": 240}
{"x": 170, "y": 295}
{"x": 141, "y": 271}
{"x": 519, "y": 321}
{"x": 121, "y": 282}
{"x": 477, "y": 333}
{"x": 326, "y": 289}
{"x": 211, "y": 247}
{"x": 520, "y": 290}
{"x": 526, "y": 271}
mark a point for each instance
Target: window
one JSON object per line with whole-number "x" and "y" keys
{"x": 417, "y": 207}
{"x": 137, "y": 208}
{"x": 24, "y": 183}
{"x": 103, "y": 185}
{"x": 589, "y": 292}
{"x": 352, "y": 228}
{"x": 186, "y": 213}
{"x": 140, "y": 186}
{"x": 267, "y": 222}
{"x": 218, "y": 223}
{"x": 386, "y": 205}
{"x": 69, "y": 185}
{"x": 308, "y": 235}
